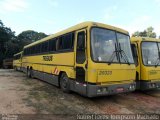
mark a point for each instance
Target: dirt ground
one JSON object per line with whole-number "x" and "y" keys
{"x": 24, "y": 96}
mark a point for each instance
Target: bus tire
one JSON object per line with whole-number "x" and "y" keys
{"x": 64, "y": 83}
{"x": 31, "y": 72}
{"x": 28, "y": 73}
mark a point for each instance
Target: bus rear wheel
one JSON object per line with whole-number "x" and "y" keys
{"x": 28, "y": 73}
{"x": 64, "y": 83}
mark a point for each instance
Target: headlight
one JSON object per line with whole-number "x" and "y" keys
{"x": 153, "y": 85}
{"x": 99, "y": 90}
{"x": 132, "y": 87}
{"x": 102, "y": 90}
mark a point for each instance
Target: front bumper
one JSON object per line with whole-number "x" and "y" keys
{"x": 147, "y": 85}
{"x": 91, "y": 90}
{"x": 99, "y": 90}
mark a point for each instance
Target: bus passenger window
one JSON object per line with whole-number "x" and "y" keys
{"x": 65, "y": 42}
{"x": 52, "y": 45}
{"x": 80, "y": 58}
{"x": 44, "y": 47}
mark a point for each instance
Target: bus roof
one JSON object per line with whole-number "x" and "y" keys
{"x": 140, "y": 39}
{"x": 18, "y": 53}
{"x": 76, "y": 27}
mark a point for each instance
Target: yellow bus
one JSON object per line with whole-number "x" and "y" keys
{"x": 92, "y": 59}
{"x": 17, "y": 61}
{"x": 146, "y": 54}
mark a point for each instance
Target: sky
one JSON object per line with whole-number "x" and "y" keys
{"x": 51, "y": 16}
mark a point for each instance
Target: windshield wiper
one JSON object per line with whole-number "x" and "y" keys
{"x": 115, "y": 53}
{"x": 123, "y": 55}
{"x": 112, "y": 57}
{"x": 157, "y": 62}
{"x": 118, "y": 52}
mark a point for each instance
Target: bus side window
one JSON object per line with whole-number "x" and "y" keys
{"x": 65, "y": 42}
{"x": 52, "y": 45}
{"x": 134, "y": 52}
{"x": 80, "y": 57}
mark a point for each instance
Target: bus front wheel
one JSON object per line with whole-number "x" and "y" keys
{"x": 64, "y": 83}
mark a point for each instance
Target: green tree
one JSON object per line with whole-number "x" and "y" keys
{"x": 136, "y": 34}
{"x": 29, "y": 36}
{"x": 6, "y": 35}
{"x": 11, "y": 44}
{"x": 143, "y": 34}
{"x": 11, "y": 48}
{"x": 149, "y": 32}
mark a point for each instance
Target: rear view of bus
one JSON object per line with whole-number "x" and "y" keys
{"x": 146, "y": 52}
{"x": 17, "y": 61}
{"x": 111, "y": 68}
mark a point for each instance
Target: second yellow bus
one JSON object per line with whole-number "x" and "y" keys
{"x": 17, "y": 61}
{"x": 146, "y": 52}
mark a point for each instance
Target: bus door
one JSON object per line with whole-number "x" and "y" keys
{"x": 134, "y": 47}
{"x": 80, "y": 57}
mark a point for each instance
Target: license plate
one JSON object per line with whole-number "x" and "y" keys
{"x": 120, "y": 89}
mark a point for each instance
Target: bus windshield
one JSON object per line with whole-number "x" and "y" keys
{"x": 104, "y": 44}
{"x": 150, "y": 53}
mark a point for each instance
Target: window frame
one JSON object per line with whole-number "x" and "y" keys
{"x": 60, "y": 39}
{"x": 56, "y": 51}
{"x": 136, "y": 50}
{"x": 142, "y": 53}
{"x": 116, "y": 42}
